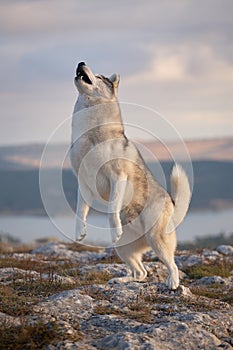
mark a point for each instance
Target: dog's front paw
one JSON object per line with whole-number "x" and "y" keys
{"x": 80, "y": 232}
{"x": 172, "y": 282}
{"x": 116, "y": 233}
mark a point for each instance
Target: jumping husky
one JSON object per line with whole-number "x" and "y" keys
{"x": 142, "y": 215}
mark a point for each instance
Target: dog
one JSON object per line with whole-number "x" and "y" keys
{"x": 109, "y": 168}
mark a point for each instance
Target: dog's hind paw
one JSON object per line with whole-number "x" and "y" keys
{"x": 81, "y": 232}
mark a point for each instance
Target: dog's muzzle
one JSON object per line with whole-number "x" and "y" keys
{"x": 81, "y": 74}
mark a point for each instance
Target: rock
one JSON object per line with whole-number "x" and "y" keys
{"x": 126, "y": 340}
{"x": 9, "y": 320}
{"x": 52, "y": 248}
{"x": 65, "y": 306}
{"x": 58, "y": 278}
{"x": 189, "y": 260}
{"x": 211, "y": 280}
{"x": 211, "y": 254}
{"x": 112, "y": 269}
{"x": 7, "y": 274}
{"x": 168, "y": 335}
{"x": 185, "y": 291}
{"x": 225, "y": 249}
{"x": 60, "y": 250}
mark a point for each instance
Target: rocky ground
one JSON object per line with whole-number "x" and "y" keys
{"x": 57, "y": 296}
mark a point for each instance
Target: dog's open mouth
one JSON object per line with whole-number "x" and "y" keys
{"x": 81, "y": 74}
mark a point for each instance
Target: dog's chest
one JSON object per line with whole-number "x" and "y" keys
{"x": 80, "y": 153}
{"x": 89, "y": 163}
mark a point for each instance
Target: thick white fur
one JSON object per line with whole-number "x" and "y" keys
{"x": 107, "y": 151}
{"x": 160, "y": 238}
{"x": 180, "y": 193}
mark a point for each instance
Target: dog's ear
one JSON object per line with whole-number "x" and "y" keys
{"x": 115, "y": 79}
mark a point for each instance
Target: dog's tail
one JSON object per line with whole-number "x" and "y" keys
{"x": 181, "y": 194}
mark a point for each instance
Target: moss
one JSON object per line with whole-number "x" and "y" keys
{"x": 11, "y": 303}
{"x": 214, "y": 291}
{"x": 95, "y": 277}
{"x": 222, "y": 269}
{"x": 140, "y": 311}
{"x": 26, "y": 264}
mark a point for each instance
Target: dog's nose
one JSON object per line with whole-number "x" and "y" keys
{"x": 80, "y": 65}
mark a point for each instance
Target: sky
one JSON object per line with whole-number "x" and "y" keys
{"x": 173, "y": 56}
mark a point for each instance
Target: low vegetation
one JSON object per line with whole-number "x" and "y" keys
{"x": 33, "y": 336}
{"x": 222, "y": 268}
{"x": 35, "y": 279}
{"x": 213, "y": 291}
{"x": 21, "y": 292}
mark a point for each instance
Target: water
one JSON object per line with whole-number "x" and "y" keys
{"x": 200, "y": 224}
{"x": 29, "y": 228}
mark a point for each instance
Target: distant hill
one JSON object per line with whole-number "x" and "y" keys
{"x": 219, "y": 149}
{"x": 19, "y": 174}
{"x": 28, "y": 156}
{"x": 20, "y": 193}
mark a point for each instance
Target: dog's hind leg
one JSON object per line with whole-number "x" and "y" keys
{"x": 83, "y": 206}
{"x": 131, "y": 254}
{"x": 117, "y": 192}
{"x": 164, "y": 245}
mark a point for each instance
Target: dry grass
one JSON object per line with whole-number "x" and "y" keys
{"x": 139, "y": 313}
{"x": 33, "y": 336}
{"x": 17, "y": 298}
{"x": 77, "y": 247}
{"x": 214, "y": 292}
{"x": 21, "y": 291}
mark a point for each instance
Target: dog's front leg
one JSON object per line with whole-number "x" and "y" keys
{"x": 117, "y": 192}
{"x": 83, "y": 207}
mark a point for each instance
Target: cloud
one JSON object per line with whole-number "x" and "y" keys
{"x": 185, "y": 64}
{"x": 174, "y": 55}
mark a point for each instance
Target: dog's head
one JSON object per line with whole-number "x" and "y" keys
{"x": 96, "y": 86}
